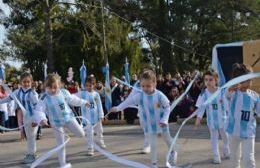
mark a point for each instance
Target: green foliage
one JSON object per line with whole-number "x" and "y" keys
{"x": 181, "y": 33}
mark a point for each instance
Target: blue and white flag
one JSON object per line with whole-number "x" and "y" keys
{"x": 108, "y": 99}
{"x": 83, "y": 75}
{"x": 45, "y": 67}
{"x": 126, "y": 68}
{"x": 2, "y": 72}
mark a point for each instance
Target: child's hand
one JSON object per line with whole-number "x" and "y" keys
{"x": 233, "y": 88}
{"x": 113, "y": 110}
{"x": 34, "y": 124}
{"x": 87, "y": 104}
{"x": 197, "y": 123}
{"x": 44, "y": 123}
{"x": 163, "y": 125}
{"x": 22, "y": 135}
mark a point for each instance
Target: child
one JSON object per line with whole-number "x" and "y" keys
{"x": 244, "y": 106}
{"x": 94, "y": 114}
{"x": 216, "y": 116}
{"x": 55, "y": 103}
{"x": 147, "y": 147}
{"x": 28, "y": 98}
{"x": 155, "y": 112}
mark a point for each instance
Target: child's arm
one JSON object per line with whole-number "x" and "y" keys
{"x": 258, "y": 107}
{"x": 39, "y": 113}
{"x": 133, "y": 100}
{"x": 99, "y": 106}
{"x": 73, "y": 100}
{"x": 165, "y": 103}
{"x": 201, "y": 111}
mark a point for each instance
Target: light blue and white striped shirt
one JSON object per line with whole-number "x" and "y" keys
{"x": 244, "y": 106}
{"x": 95, "y": 111}
{"x": 216, "y": 110}
{"x": 27, "y": 97}
{"x": 57, "y": 107}
{"x": 155, "y": 109}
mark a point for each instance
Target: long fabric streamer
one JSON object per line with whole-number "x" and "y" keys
{"x": 127, "y": 84}
{"x": 179, "y": 99}
{"x": 211, "y": 98}
{"x": 118, "y": 159}
{"x": 99, "y": 149}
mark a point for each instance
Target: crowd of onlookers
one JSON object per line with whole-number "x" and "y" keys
{"x": 171, "y": 86}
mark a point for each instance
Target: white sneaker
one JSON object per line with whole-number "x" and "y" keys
{"x": 68, "y": 165}
{"x": 216, "y": 160}
{"x": 173, "y": 158}
{"x": 90, "y": 152}
{"x": 146, "y": 149}
{"x": 102, "y": 144}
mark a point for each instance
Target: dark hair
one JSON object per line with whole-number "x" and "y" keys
{"x": 240, "y": 69}
{"x": 148, "y": 75}
{"x": 26, "y": 75}
{"x": 91, "y": 80}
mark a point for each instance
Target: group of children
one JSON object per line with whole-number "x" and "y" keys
{"x": 232, "y": 115}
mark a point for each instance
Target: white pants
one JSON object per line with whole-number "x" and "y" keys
{"x": 146, "y": 134}
{"x": 153, "y": 142}
{"x": 214, "y": 135}
{"x": 90, "y": 134}
{"x": 30, "y": 133}
{"x": 72, "y": 126}
{"x": 248, "y": 152}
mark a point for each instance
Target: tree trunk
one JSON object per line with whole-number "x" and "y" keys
{"x": 48, "y": 37}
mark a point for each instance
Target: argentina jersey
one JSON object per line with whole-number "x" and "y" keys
{"x": 57, "y": 107}
{"x": 155, "y": 109}
{"x": 95, "y": 111}
{"x": 216, "y": 110}
{"x": 28, "y": 98}
{"x": 244, "y": 106}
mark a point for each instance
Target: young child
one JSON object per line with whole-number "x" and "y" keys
{"x": 244, "y": 106}
{"x": 155, "y": 112}
{"x": 94, "y": 114}
{"x": 147, "y": 147}
{"x": 55, "y": 103}
{"x": 28, "y": 98}
{"x": 216, "y": 116}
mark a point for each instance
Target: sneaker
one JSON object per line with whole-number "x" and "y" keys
{"x": 90, "y": 152}
{"x": 102, "y": 144}
{"x": 146, "y": 149}
{"x": 68, "y": 165}
{"x": 173, "y": 158}
{"x": 216, "y": 160}
{"x": 154, "y": 165}
{"x": 226, "y": 156}
{"x": 29, "y": 158}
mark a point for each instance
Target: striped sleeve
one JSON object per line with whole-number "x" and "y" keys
{"x": 166, "y": 108}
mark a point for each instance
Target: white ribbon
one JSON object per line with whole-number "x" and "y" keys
{"x": 210, "y": 99}
{"x": 127, "y": 84}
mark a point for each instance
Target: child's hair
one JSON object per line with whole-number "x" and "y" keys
{"x": 213, "y": 73}
{"x": 91, "y": 80}
{"x": 240, "y": 69}
{"x": 148, "y": 75}
{"x": 52, "y": 78}
{"x": 26, "y": 75}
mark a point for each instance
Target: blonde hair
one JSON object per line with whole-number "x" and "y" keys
{"x": 52, "y": 78}
{"x": 148, "y": 75}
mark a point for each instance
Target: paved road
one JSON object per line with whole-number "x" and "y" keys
{"x": 124, "y": 141}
